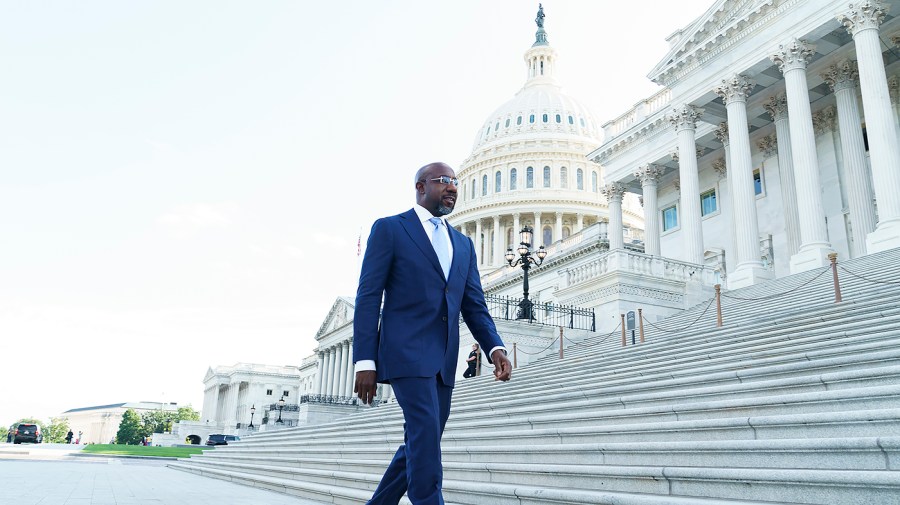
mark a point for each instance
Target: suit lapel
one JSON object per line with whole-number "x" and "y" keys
{"x": 460, "y": 248}
{"x": 413, "y": 227}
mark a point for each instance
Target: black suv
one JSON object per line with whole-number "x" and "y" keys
{"x": 221, "y": 439}
{"x": 28, "y": 433}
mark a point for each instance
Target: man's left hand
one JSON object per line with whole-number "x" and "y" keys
{"x": 502, "y": 366}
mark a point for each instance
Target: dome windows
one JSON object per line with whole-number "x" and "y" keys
{"x": 579, "y": 179}
{"x": 507, "y": 123}
{"x": 546, "y": 118}
{"x": 558, "y": 118}
{"x": 497, "y": 185}
{"x": 497, "y": 126}
{"x": 519, "y": 121}
{"x": 563, "y": 177}
{"x": 529, "y": 177}
{"x": 473, "y": 188}
{"x": 571, "y": 120}
{"x": 581, "y": 119}
{"x": 484, "y": 185}
{"x": 594, "y": 181}
{"x": 546, "y": 177}
{"x": 531, "y": 119}
{"x": 512, "y": 179}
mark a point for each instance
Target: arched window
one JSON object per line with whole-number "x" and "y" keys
{"x": 558, "y": 118}
{"x": 546, "y": 118}
{"x": 518, "y": 120}
{"x": 512, "y": 179}
{"x": 497, "y": 186}
{"x": 579, "y": 179}
{"x": 484, "y": 185}
{"x": 548, "y": 235}
{"x": 546, "y": 177}
{"x": 473, "y": 189}
{"x": 563, "y": 177}
{"x": 594, "y": 181}
{"x": 529, "y": 177}
{"x": 531, "y": 118}
{"x": 464, "y": 191}
{"x": 509, "y": 237}
{"x": 487, "y": 132}
{"x": 566, "y": 232}
{"x": 507, "y": 123}
{"x": 581, "y": 119}
{"x": 571, "y": 120}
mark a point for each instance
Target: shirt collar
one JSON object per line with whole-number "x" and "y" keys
{"x": 424, "y": 215}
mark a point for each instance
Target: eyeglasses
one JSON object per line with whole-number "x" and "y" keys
{"x": 446, "y": 179}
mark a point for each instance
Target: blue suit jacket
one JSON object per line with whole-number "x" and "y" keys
{"x": 418, "y": 334}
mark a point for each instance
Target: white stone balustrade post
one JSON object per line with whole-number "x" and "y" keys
{"x": 649, "y": 177}
{"x": 613, "y": 193}
{"x": 684, "y": 119}
{"x": 792, "y": 59}
{"x": 841, "y": 77}
{"x": 862, "y": 20}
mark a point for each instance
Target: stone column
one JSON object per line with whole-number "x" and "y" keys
{"x": 538, "y": 230}
{"x": 516, "y": 229}
{"x": 777, "y": 108}
{"x": 814, "y": 246}
{"x": 842, "y": 79}
{"x": 497, "y": 248}
{"x": 557, "y": 233}
{"x": 329, "y": 383}
{"x": 351, "y": 376}
{"x": 323, "y": 372}
{"x": 613, "y": 193}
{"x": 478, "y": 243}
{"x": 649, "y": 177}
{"x": 579, "y": 222}
{"x": 862, "y": 20}
{"x": 749, "y": 269}
{"x": 342, "y": 370}
{"x": 894, "y": 91}
{"x": 724, "y": 170}
{"x": 320, "y": 363}
{"x": 684, "y": 119}
{"x": 229, "y": 418}
{"x": 604, "y": 224}
{"x": 338, "y": 371}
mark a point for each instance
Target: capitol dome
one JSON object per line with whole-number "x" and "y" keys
{"x": 529, "y": 166}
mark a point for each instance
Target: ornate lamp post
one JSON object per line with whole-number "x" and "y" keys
{"x": 252, "y": 412}
{"x": 526, "y": 259}
{"x": 280, "y": 408}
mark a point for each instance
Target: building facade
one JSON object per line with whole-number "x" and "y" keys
{"x": 231, "y": 391}
{"x": 99, "y": 424}
{"x": 774, "y": 142}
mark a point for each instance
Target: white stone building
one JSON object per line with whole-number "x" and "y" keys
{"x": 231, "y": 391}
{"x": 100, "y": 424}
{"x": 773, "y": 141}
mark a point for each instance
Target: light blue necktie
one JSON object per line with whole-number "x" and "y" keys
{"x": 439, "y": 242}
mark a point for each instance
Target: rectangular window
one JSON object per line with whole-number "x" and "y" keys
{"x": 286, "y": 393}
{"x": 708, "y": 203}
{"x": 757, "y": 182}
{"x": 670, "y": 218}
{"x": 268, "y": 392}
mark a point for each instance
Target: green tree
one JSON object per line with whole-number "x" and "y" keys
{"x": 55, "y": 433}
{"x": 187, "y": 414}
{"x": 130, "y": 429}
{"x": 154, "y": 421}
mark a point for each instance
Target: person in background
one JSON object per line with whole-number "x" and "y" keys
{"x": 472, "y": 361}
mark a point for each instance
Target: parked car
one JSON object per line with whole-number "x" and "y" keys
{"x": 28, "y": 433}
{"x": 218, "y": 439}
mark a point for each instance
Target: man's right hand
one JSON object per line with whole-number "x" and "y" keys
{"x": 366, "y": 386}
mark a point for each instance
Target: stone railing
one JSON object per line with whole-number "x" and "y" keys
{"x": 642, "y": 110}
{"x": 641, "y": 264}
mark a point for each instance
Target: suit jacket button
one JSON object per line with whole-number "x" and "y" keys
{"x": 444, "y": 318}
{"x": 447, "y": 290}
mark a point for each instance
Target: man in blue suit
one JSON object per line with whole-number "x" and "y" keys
{"x": 427, "y": 273}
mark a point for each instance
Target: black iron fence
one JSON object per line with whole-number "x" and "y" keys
{"x": 549, "y": 314}
{"x": 329, "y": 399}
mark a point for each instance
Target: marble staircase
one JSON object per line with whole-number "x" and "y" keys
{"x": 795, "y": 399}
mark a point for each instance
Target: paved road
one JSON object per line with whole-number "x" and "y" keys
{"x": 50, "y": 474}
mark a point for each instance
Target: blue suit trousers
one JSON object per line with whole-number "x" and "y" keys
{"x": 416, "y": 466}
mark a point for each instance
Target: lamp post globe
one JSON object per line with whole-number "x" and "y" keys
{"x": 252, "y": 412}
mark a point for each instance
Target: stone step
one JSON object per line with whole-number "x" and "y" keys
{"x": 833, "y": 454}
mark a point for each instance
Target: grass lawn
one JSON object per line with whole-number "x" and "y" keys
{"x": 140, "y": 450}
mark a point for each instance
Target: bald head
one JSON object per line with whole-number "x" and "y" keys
{"x": 437, "y": 197}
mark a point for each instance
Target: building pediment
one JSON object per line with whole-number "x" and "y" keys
{"x": 720, "y": 23}
{"x": 340, "y": 314}
{"x": 210, "y": 373}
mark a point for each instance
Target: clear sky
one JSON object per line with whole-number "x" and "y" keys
{"x": 182, "y": 184}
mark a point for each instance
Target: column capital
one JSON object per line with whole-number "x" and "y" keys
{"x": 777, "y": 107}
{"x": 720, "y": 167}
{"x": 677, "y": 184}
{"x": 768, "y": 145}
{"x": 864, "y": 15}
{"x": 841, "y": 75}
{"x": 685, "y": 117}
{"x": 793, "y": 55}
{"x": 648, "y": 174}
{"x": 613, "y": 191}
{"x": 735, "y": 89}
{"x": 895, "y": 40}
{"x": 559, "y": 215}
{"x": 824, "y": 119}
{"x": 721, "y": 133}
{"x": 674, "y": 155}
